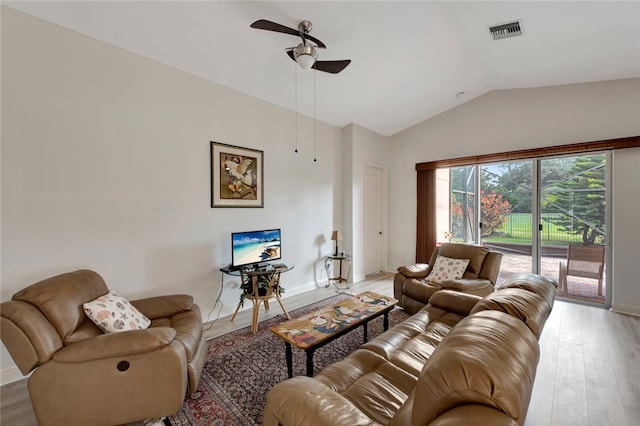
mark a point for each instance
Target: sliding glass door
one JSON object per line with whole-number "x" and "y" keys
{"x": 532, "y": 211}
{"x": 573, "y": 223}
{"x": 507, "y": 218}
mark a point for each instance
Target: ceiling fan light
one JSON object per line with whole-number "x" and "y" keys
{"x": 305, "y": 56}
{"x": 305, "y": 61}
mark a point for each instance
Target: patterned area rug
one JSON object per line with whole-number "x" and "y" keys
{"x": 241, "y": 367}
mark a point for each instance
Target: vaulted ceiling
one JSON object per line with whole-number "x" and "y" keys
{"x": 410, "y": 60}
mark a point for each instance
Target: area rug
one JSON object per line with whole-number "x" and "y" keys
{"x": 241, "y": 367}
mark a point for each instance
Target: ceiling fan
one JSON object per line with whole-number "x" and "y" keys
{"x": 306, "y": 53}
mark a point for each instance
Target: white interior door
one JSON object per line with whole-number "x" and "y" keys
{"x": 373, "y": 228}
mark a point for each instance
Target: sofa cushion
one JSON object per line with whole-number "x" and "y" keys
{"x": 370, "y": 382}
{"x": 447, "y": 268}
{"x": 475, "y": 254}
{"x": 408, "y": 345}
{"x": 113, "y": 313}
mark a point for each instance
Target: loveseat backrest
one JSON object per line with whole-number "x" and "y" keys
{"x": 60, "y": 298}
{"x": 489, "y": 359}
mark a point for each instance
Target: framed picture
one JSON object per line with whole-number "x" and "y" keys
{"x": 236, "y": 176}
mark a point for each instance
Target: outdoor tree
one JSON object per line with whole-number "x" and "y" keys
{"x": 494, "y": 211}
{"x": 494, "y": 208}
{"x": 580, "y": 199}
{"x": 513, "y": 181}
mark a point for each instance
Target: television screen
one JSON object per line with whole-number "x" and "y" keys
{"x": 254, "y": 247}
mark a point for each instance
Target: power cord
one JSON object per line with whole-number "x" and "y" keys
{"x": 215, "y": 303}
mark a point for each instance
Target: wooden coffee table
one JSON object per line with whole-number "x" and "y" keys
{"x": 320, "y": 327}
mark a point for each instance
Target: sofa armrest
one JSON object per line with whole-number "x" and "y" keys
{"x": 119, "y": 344}
{"x": 306, "y": 401}
{"x": 163, "y": 306}
{"x": 473, "y": 415}
{"x": 454, "y": 301}
{"x": 418, "y": 270}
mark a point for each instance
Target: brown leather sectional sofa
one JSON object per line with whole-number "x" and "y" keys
{"x": 82, "y": 376}
{"x": 461, "y": 360}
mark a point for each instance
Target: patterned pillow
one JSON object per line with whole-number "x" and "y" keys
{"x": 446, "y": 268}
{"x": 113, "y": 313}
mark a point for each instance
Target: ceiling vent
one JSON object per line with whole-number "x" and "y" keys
{"x": 511, "y": 29}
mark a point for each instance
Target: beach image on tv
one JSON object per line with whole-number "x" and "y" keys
{"x": 254, "y": 247}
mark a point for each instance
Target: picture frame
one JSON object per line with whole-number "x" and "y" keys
{"x": 236, "y": 176}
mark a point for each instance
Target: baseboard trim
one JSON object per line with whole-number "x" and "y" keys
{"x": 626, "y": 309}
{"x": 10, "y": 375}
{"x": 358, "y": 278}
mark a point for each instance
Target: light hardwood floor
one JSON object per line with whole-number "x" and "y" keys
{"x": 589, "y": 370}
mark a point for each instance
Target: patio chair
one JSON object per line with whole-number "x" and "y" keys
{"x": 582, "y": 261}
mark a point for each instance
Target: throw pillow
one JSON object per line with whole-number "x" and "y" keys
{"x": 446, "y": 268}
{"x": 113, "y": 313}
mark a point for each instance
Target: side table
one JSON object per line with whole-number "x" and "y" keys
{"x": 335, "y": 275}
{"x": 259, "y": 286}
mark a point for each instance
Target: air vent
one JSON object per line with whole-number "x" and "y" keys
{"x": 511, "y": 29}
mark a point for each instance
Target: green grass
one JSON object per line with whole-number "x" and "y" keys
{"x": 517, "y": 230}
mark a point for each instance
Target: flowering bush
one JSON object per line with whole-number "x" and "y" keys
{"x": 494, "y": 211}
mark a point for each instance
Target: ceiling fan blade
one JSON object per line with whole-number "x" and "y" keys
{"x": 263, "y": 24}
{"x": 333, "y": 67}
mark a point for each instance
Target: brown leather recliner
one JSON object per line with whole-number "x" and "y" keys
{"x": 82, "y": 376}
{"x": 413, "y": 289}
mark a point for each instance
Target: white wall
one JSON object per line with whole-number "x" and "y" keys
{"x": 509, "y": 120}
{"x": 626, "y": 244}
{"x": 105, "y": 165}
{"x": 361, "y": 146}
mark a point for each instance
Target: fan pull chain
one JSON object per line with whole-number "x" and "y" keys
{"x": 315, "y": 120}
{"x": 296, "y": 95}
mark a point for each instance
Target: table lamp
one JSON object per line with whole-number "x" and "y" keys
{"x": 336, "y": 236}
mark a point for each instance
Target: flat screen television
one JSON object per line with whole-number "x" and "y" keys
{"x": 255, "y": 247}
